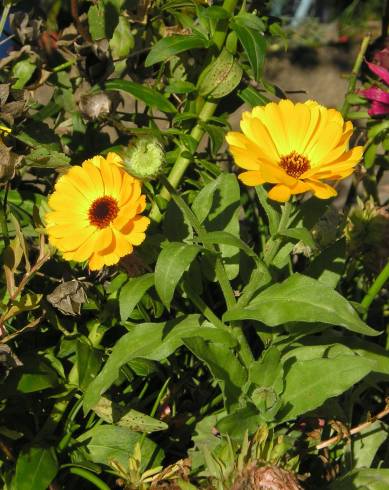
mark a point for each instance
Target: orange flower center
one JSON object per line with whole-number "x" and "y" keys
{"x": 294, "y": 164}
{"x": 102, "y": 211}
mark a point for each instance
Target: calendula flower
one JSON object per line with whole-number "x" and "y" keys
{"x": 295, "y": 147}
{"x": 96, "y": 212}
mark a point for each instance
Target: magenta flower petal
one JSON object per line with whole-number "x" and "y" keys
{"x": 375, "y": 93}
{"x": 378, "y": 109}
{"x": 380, "y": 71}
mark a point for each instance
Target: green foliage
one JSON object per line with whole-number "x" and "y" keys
{"x": 241, "y": 333}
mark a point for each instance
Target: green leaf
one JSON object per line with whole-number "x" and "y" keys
{"x": 147, "y": 95}
{"x": 242, "y": 420}
{"x": 328, "y": 267}
{"x": 272, "y": 212}
{"x": 224, "y": 366}
{"x": 132, "y": 292}
{"x": 172, "y": 45}
{"x": 88, "y": 363}
{"x": 172, "y": 262}
{"x": 363, "y": 479}
{"x": 367, "y": 443}
{"x": 96, "y": 21}
{"x": 249, "y": 32}
{"x": 106, "y": 443}
{"x": 300, "y": 234}
{"x": 252, "y": 97}
{"x": 154, "y": 341}
{"x": 44, "y": 157}
{"x": 301, "y": 299}
{"x": 225, "y": 238}
{"x": 307, "y": 387}
{"x": 220, "y": 77}
{"x": 113, "y": 413}
{"x": 22, "y": 71}
{"x": 36, "y": 468}
{"x": 122, "y": 42}
{"x": 217, "y": 208}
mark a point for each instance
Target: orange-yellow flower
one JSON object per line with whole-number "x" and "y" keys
{"x": 295, "y": 147}
{"x": 96, "y": 212}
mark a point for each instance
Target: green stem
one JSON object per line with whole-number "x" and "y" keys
{"x": 4, "y": 15}
{"x": 55, "y": 416}
{"x": 4, "y": 226}
{"x": 222, "y": 28}
{"x": 354, "y": 74}
{"x": 376, "y": 287}
{"x": 203, "y": 307}
{"x": 220, "y": 273}
{"x": 90, "y": 477}
{"x": 274, "y": 243}
{"x": 181, "y": 164}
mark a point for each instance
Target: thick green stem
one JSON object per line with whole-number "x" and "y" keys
{"x": 273, "y": 244}
{"x": 354, "y": 74}
{"x": 376, "y": 287}
{"x": 181, "y": 164}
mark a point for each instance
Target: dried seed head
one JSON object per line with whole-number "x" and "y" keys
{"x": 268, "y": 477}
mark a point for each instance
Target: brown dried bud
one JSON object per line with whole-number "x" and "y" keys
{"x": 8, "y": 361}
{"x": 94, "y": 105}
{"x": 8, "y": 163}
{"x": 68, "y": 297}
{"x": 268, "y": 477}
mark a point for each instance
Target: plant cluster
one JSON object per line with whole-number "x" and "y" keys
{"x": 184, "y": 306}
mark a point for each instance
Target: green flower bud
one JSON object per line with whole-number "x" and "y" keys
{"x": 144, "y": 158}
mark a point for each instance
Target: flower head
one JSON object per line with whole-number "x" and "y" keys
{"x": 144, "y": 158}
{"x": 295, "y": 147}
{"x": 96, "y": 212}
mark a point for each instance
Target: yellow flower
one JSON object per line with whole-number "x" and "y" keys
{"x": 96, "y": 212}
{"x": 295, "y": 147}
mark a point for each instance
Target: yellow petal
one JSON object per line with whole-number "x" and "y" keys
{"x": 324, "y": 141}
{"x": 244, "y": 158}
{"x": 251, "y": 178}
{"x": 79, "y": 178}
{"x": 104, "y": 239}
{"x": 321, "y": 190}
{"x": 114, "y": 158}
{"x": 280, "y": 193}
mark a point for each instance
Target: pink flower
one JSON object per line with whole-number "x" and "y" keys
{"x": 380, "y": 71}
{"x": 378, "y": 96}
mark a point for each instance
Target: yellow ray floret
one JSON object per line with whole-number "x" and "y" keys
{"x": 96, "y": 212}
{"x": 295, "y": 147}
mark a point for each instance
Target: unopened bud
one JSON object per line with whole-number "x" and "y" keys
{"x": 144, "y": 158}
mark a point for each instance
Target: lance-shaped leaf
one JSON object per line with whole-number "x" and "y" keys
{"x": 301, "y": 299}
